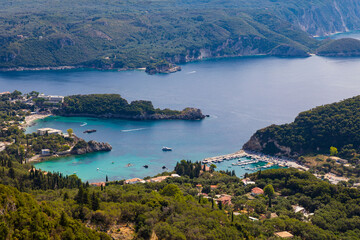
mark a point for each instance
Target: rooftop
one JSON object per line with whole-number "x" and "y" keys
{"x": 257, "y": 190}
{"x": 283, "y": 234}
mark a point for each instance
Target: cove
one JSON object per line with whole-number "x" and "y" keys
{"x": 240, "y": 94}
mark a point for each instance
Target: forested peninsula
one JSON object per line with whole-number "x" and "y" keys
{"x": 313, "y": 131}
{"x": 114, "y": 106}
{"x": 158, "y": 35}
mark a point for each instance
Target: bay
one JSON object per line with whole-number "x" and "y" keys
{"x": 240, "y": 94}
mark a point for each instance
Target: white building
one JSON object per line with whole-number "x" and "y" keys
{"x": 45, "y": 152}
{"x": 52, "y": 98}
{"x": 50, "y": 131}
{"x": 134, "y": 180}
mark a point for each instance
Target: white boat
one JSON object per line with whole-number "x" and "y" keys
{"x": 166, "y": 149}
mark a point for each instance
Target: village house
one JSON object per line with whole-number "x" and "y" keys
{"x": 247, "y": 181}
{"x": 98, "y": 184}
{"x": 158, "y": 179}
{"x": 299, "y": 209}
{"x": 134, "y": 180}
{"x": 45, "y": 152}
{"x": 225, "y": 199}
{"x": 257, "y": 191}
{"x": 49, "y": 131}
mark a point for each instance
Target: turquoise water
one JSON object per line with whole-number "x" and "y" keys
{"x": 241, "y": 95}
{"x": 240, "y": 171}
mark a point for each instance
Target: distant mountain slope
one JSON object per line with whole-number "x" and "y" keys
{"x": 345, "y": 47}
{"x": 313, "y": 131}
{"x": 134, "y": 34}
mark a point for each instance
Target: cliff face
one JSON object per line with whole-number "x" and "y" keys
{"x": 91, "y": 146}
{"x": 242, "y": 46}
{"x": 332, "y": 16}
{"x": 162, "y": 67}
{"x": 260, "y": 143}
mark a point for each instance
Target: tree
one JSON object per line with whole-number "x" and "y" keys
{"x": 12, "y": 173}
{"x": 220, "y": 205}
{"x": 333, "y": 151}
{"x": 70, "y": 131}
{"x": 63, "y": 219}
{"x": 212, "y": 167}
{"x": 171, "y": 190}
{"x": 95, "y": 202}
{"x": 269, "y": 192}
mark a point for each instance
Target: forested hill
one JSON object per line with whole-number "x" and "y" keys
{"x": 114, "y": 106}
{"x": 314, "y": 131}
{"x": 136, "y": 33}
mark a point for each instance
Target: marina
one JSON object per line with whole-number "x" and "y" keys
{"x": 251, "y": 161}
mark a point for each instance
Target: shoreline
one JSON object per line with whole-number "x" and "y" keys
{"x": 79, "y": 67}
{"x": 31, "y": 119}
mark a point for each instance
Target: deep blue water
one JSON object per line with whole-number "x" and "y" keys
{"x": 241, "y": 95}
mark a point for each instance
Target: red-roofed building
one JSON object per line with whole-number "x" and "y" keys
{"x": 257, "y": 191}
{"x": 98, "y": 184}
{"x": 213, "y": 186}
{"x": 225, "y": 199}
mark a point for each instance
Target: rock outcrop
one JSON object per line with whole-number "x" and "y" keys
{"x": 329, "y": 17}
{"x": 162, "y": 67}
{"x": 83, "y": 147}
{"x": 259, "y": 143}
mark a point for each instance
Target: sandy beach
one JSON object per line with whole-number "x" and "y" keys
{"x": 29, "y": 120}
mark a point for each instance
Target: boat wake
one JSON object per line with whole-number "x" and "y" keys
{"x": 132, "y": 130}
{"x": 191, "y": 72}
{"x": 84, "y": 124}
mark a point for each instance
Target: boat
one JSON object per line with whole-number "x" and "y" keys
{"x": 166, "y": 149}
{"x": 90, "y": 131}
{"x": 163, "y": 167}
{"x": 145, "y": 166}
{"x": 97, "y": 169}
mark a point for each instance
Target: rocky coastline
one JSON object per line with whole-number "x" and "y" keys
{"x": 269, "y": 146}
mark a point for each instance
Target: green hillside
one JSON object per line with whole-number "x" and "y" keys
{"x": 346, "y": 47}
{"x": 134, "y": 34}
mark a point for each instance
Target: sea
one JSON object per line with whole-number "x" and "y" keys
{"x": 241, "y": 95}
